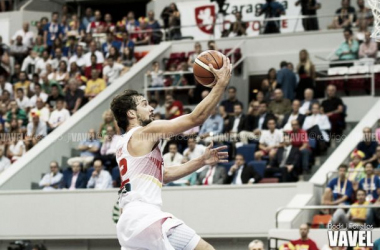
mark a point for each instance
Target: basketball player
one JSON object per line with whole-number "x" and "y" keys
{"x": 142, "y": 224}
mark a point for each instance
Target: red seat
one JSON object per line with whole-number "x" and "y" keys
{"x": 269, "y": 180}
{"x": 356, "y": 84}
{"x": 320, "y": 221}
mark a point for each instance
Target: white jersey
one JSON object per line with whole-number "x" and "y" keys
{"x": 142, "y": 216}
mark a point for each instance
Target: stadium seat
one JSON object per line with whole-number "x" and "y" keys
{"x": 320, "y": 221}
{"x": 259, "y": 166}
{"x": 337, "y": 71}
{"x": 247, "y": 151}
{"x": 269, "y": 180}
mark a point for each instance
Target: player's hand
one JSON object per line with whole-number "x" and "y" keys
{"x": 222, "y": 75}
{"x": 214, "y": 155}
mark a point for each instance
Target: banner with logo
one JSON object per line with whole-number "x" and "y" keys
{"x": 198, "y": 17}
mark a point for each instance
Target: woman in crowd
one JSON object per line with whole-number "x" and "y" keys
{"x": 306, "y": 72}
{"x": 108, "y": 120}
{"x": 61, "y": 75}
{"x": 127, "y": 58}
{"x": 269, "y": 84}
{"x": 175, "y": 22}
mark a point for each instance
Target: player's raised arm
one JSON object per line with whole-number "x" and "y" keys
{"x": 167, "y": 128}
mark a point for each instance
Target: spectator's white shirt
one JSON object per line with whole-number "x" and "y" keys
{"x": 41, "y": 129}
{"x": 112, "y": 73}
{"x": 288, "y": 125}
{"x": 109, "y": 147}
{"x": 102, "y": 181}
{"x": 41, "y": 65}
{"x": 198, "y": 151}
{"x": 42, "y": 95}
{"x": 271, "y": 139}
{"x": 305, "y": 107}
{"x": 79, "y": 60}
{"x": 7, "y": 86}
{"x": 55, "y": 62}
{"x": 4, "y": 163}
{"x": 49, "y": 179}
{"x": 29, "y": 65}
{"x": 27, "y": 37}
{"x": 15, "y": 149}
{"x": 157, "y": 78}
{"x": 99, "y": 58}
{"x": 24, "y": 103}
{"x": 321, "y": 120}
{"x": 177, "y": 159}
{"x": 44, "y": 114}
{"x": 58, "y": 116}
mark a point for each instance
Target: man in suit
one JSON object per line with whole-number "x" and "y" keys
{"x": 307, "y": 103}
{"x": 261, "y": 121}
{"x": 74, "y": 179}
{"x": 235, "y": 123}
{"x": 212, "y": 175}
{"x": 285, "y": 163}
{"x": 294, "y": 115}
{"x": 241, "y": 173}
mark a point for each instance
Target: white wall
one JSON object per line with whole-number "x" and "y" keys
{"x": 214, "y": 212}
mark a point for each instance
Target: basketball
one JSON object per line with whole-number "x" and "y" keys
{"x": 201, "y": 70}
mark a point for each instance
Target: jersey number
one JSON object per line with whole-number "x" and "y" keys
{"x": 123, "y": 170}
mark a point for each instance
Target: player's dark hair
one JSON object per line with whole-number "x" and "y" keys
{"x": 121, "y": 104}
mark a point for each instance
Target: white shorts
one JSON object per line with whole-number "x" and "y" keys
{"x": 183, "y": 237}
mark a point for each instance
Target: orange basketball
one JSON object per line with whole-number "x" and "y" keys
{"x": 201, "y": 70}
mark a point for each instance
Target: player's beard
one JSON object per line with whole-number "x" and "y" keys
{"x": 144, "y": 122}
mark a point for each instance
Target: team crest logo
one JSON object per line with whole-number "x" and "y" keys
{"x": 205, "y": 18}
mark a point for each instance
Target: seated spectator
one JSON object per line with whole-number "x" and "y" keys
{"x": 108, "y": 120}
{"x": 61, "y": 76}
{"x": 213, "y": 126}
{"x": 36, "y": 129}
{"x": 26, "y": 35}
{"x": 96, "y": 26}
{"x": 293, "y": 115}
{"x": 54, "y": 96}
{"x": 110, "y": 42}
{"x": 95, "y": 85}
{"x": 5, "y": 86}
{"x": 235, "y": 122}
{"x": 22, "y": 101}
{"x": 78, "y": 58}
{"x": 368, "y": 146}
{"x": 57, "y": 59}
{"x": 339, "y": 190}
{"x": 264, "y": 116}
{"x": 333, "y": 107}
{"x": 357, "y": 216}
{"x": 360, "y": 33}
{"x": 16, "y": 113}
{"x": 29, "y": 65}
{"x": 52, "y": 30}
{"x": 194, "y": 150}
{"x": 88, "y": 17}
{"x": 287, "y": 81}
{"x": 142, "y": 34}
{"x": 16, "y": 148}
{"x": 52, "y": 180}
{"x": 193, "y": 56}
{"x": 364, "y": 14}
{"x": 285, "y": 162}
{"x": 42, "y": 109}
{"x": 376, "y": 162}
{"x": 300, "y": 140}
{"x": 368, "y": 49}
{"x": 94, "y": 65}
{"x": 38, "y": 94}
{"x": 239, "y": 27}
{"x": 231, "y": 101}
{"x": 212, "y": 174}
{"x": 46, "y": 84}
{"x": 59, "y": 115}
{"x": 23, "y": 83}
{"x": 4, "y": 161}
{"x": 108, "y": 149}
{"x": 100, "y": 178}
{"x": 74, "y": 96}
{"x": 109, "y": 25}
{"x": 348, "y": 50}
{"x": 308, "y": 101}
{"x": 256, "y": 245}
{"x": 248, "y": 130}
{"x": 304, "y": 242}
{"x": 89, "y": 148}
{"x": 173, "y": 157}
{"x": 74, "y": 178}
{"x": 318, "y": 125}
{"x": 18, "y": 50}
{"x": 370, "y": 184}
{"x": 93, "y": 51}
{"x": 280, "y": 105}
{"x": 241, "y": 173}
{"x": 345, "y": 16}
{"x": 269, "y": 142}
{"x": 174, "y": 108}
{"x": 356, "y": 168}
{"x": 127, "y": 58}
{"x": 112, "y": 71}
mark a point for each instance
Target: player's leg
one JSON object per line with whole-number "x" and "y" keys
{"x": 203, "y": 245}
